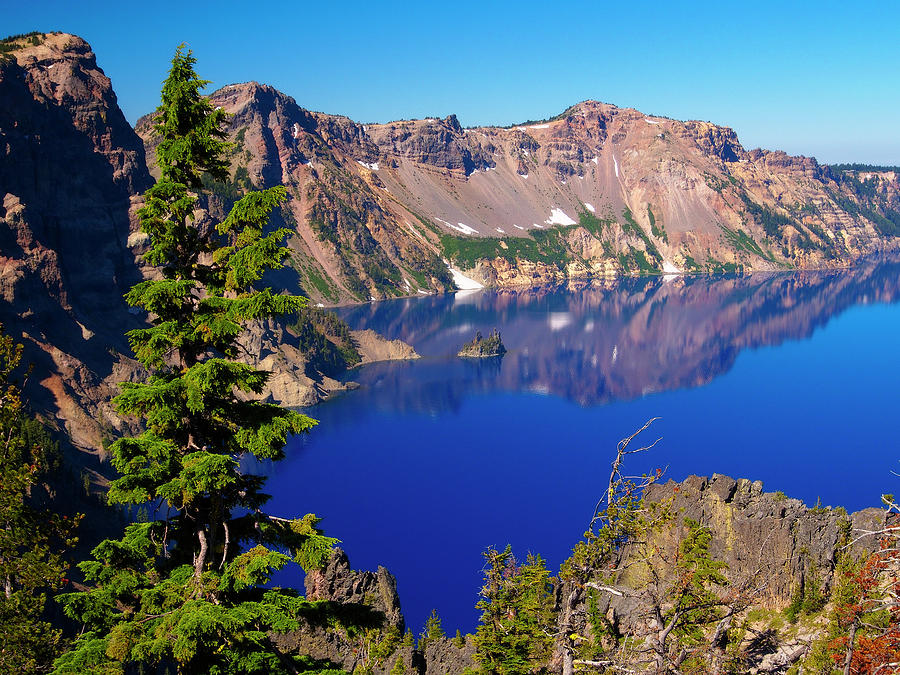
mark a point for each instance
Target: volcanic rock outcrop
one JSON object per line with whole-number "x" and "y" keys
{"x": 349, "y": 244}
{"x": 70, "y": 169}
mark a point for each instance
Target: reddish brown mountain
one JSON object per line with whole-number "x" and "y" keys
{"x": 597, "y": 190}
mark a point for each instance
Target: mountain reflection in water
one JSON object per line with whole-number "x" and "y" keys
{"x": 600, "y": 341}
{"x": 785, "y": 378}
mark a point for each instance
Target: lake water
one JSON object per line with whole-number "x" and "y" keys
{"x": 791, "y": 379}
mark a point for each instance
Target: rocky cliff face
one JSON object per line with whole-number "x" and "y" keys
{"x": 353, "y": 241}
{"x": 631, "y": 193}
{"x": 776, "y": 550}
{"x": 364, "y": 624}
{"x": 755, "y": 530}
{"x": 70, "y": 167}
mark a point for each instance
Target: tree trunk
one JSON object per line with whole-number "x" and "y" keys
{"x": 719, "y": 642}
{"x": 658, "y": 638}
{"x": 848, "y": 660}
{"x": 215, "y": 521}
{"x": 227, "y": 543}
{"x": 200, "y": 560}
{"x": 565, "y": 629}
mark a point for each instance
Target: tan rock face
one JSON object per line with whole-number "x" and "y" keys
{"x": 372, "y": 347}
{"x": 69, "y": 167}
{"x": 353, "y": 240}
{"x": 754, "y": 530}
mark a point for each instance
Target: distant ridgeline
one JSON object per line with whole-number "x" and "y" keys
{"x": 369, "y": 230}
{"x": 631, "y": 194}
{"x": 14, "y": 42}
{"x": 864, "y": 168}
{"x": 868, "y": 198}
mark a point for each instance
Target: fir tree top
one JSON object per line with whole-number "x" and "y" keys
{"x": 189, "y": 127}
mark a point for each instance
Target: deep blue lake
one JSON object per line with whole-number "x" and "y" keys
{"x": 788, "y": 378}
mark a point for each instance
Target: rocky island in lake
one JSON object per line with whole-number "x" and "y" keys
{"x": 482, "y": 347}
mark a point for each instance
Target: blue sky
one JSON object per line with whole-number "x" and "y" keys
{"x": 816, "y": 79}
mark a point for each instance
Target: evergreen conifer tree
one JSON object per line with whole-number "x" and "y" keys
{"x": 32, "y": 539}
{"x": 432, "y": 631}
{"x": 187, "y": 591}
{"x": 515, "y": 633}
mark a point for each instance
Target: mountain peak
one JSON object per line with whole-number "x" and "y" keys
{"x": 252, "y": 93}
{"x": 46, "y": 47}
{"x": 250, "y": 87}
{"x": 586, "y": 107}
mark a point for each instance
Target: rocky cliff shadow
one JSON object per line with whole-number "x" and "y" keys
{"x": 354, "y": 615}
{"x": 67, "y": 174}
{"x": 763, "y": 642}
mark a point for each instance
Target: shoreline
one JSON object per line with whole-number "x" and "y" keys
{"x": 875, "y": 259}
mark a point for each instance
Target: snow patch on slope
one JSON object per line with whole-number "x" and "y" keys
{"x": 459, "y": 227}
{"x": 370, "y": 166}
{"x": 463, "y": 282}
{"x": 559, "y": 217}
{"x": 590, "y": 207}
{"x": 669, "y": 268}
